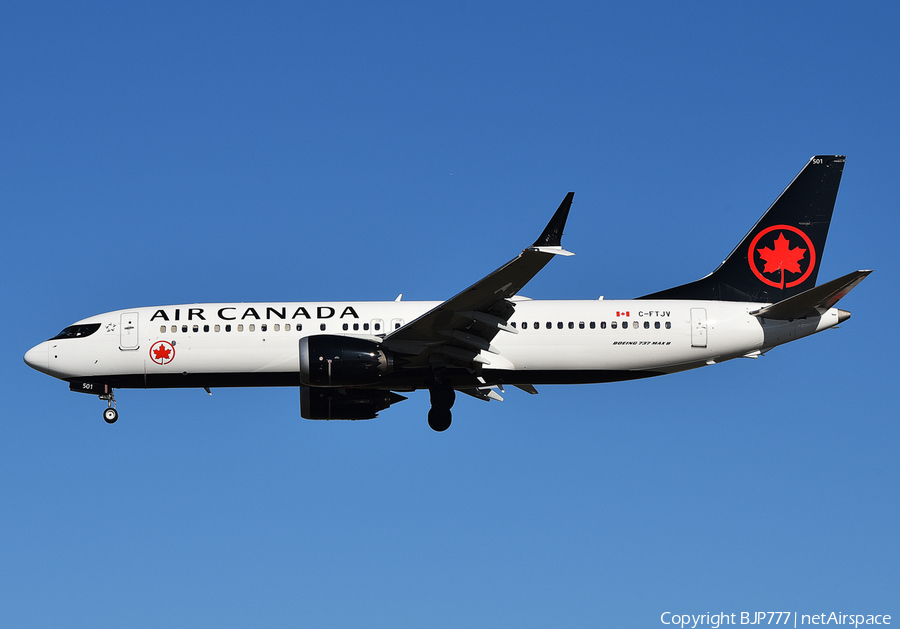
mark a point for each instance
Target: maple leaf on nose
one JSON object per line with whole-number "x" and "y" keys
{"x": 782, "y": 256}
{"x": 161, "y": 353}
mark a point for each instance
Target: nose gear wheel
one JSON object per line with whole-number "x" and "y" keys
{"x": 110, "y": 414}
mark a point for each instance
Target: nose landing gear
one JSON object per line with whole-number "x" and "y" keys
{"x": 110, "y": 414}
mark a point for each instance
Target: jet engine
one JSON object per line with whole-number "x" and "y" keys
{"x": 322, "y": 403}
{"x": 337, "y": 361}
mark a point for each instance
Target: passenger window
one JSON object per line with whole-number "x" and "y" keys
{"x": 263, "y": 327}
{"x": 252, "y": 327}
{"x": 228, "y": 327}
{"x": 162, "y": 329}
{"x": 646, "y": 325}
{"x": 196, "y": 328}
{"x": 581, "y": 325}
{"x": 537, "y": 325}
{"x": 571, "y": 325}
{"x": 299, "y": 327}
{"x": 396, "y": 326}
{"x": 365, "y": 326}
{"x": 184, "y": 328}
{"x": 512, "y": 323}
{"x": 174, "y": 329}
{"x": 377, "y": 327}
{"x": 355, "y": 326}
{"x": 602, "y": 325}
{"x": 287, "y": 327}
{"x": 206, "y": 328}
{"x": 559, "y": 324}
{"x": 656, "y": 324}
{"x": 549, "y": 325}
{"x": 322, "y": 327}
{"x": 345, "y": 327}
{"x": 240, "y": 327}
{"x": 668, "y": 325}
{"x": 276, "y": 327}
{"x": 218, "y": 328}
{"x": 614, "y": 325}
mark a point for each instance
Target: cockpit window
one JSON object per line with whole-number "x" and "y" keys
{"x": 77, "y": 331}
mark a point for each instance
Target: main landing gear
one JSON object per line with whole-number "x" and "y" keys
{"x": 110, "y": 414}
{"x": 442, "y": 398}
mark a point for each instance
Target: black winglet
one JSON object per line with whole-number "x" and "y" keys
{"x": 552, "y": 236}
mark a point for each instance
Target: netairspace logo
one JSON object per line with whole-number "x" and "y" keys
{"x": 714, "y": 621}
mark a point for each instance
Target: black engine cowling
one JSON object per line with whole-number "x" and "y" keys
{"x": 322, "y": 403}
{"x": 336, "y": 361}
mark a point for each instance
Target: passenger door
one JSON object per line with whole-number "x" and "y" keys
{"x": 128, "y": 331}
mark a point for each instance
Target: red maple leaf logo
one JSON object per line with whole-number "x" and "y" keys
{"x": 782, "y": 257}
{"x": 161, "y": 353}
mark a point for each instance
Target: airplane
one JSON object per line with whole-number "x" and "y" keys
{"x": 352, "y": 360}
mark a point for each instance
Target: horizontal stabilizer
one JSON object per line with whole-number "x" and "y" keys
{"x": 813, "y": 302}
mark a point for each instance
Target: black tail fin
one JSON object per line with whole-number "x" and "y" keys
{"x": 780, "y": 257}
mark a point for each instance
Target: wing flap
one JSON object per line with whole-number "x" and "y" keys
{"x": 483, "y": 393}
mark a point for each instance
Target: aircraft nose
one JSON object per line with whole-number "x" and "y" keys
{"x": 38, "y": 357}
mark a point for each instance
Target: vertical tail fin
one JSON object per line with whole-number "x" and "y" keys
{"x": 780, "y": 256}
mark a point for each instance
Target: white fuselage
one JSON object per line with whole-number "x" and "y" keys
{"x": 256, "y": 344}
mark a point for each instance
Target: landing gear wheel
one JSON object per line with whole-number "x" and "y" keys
{"x": 439, "y": 420}
{"x": 442, "y": 397}
{"x": 110, "y": 415}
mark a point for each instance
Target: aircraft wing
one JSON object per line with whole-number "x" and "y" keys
{"x": 457, "y": 330}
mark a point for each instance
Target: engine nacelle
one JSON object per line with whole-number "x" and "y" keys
{"x": 336, "y": 361}
{"x": 321, "y": 403}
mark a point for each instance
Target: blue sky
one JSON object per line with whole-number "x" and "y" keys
{"x": 230, "y": 151}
